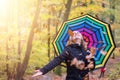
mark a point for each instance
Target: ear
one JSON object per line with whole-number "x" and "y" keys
{"x": 70, "y": 32}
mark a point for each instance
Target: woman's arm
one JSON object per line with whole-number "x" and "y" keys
{"x": 56, "y": 61}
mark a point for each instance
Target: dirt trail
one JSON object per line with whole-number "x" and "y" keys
{"x": 95, "y": 75}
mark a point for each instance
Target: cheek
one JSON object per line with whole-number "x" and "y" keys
{"x": 79, "y": 40}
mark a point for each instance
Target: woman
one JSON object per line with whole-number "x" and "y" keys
{"x": 77, "y": 59}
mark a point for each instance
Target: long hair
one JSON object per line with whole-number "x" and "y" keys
{"x": 73, "y": 36}
{"x": 71, "y": 41}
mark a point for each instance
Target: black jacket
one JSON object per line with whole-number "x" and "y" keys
{"x": 73, "y": 73}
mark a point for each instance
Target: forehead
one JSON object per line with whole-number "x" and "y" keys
{"x": 77, "y": 34}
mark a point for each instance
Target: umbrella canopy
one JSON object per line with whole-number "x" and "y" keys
{"x": 95, "y": 32}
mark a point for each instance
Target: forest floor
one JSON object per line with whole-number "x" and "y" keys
{"x": 110, "y": 65}
{"x": 93, "y": 76}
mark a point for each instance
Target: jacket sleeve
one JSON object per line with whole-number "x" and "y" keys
{"x": 56, "y": 61}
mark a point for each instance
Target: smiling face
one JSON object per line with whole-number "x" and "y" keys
{"x": 75, "y": 37}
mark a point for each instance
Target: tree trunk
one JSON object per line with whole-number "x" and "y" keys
{"x": 49, "y": 38}
{"x": 19, "y": 42}
{"x": 66, "y": 15}
{"x": 57, "y": 23}
{"x": 7, "y": 65}
{"x": 23, "y": 66}
{"x": 67, "y": 12}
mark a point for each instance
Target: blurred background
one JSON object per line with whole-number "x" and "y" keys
{"x": 28, "y": 27}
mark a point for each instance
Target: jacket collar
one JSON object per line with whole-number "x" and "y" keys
{"x": 76, "y": 46}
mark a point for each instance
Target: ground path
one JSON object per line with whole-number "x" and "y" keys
{"x": 93, "y": 76}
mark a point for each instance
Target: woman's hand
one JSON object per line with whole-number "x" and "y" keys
{"x": 80, "y": 65}
{"x": 37, "y": 73}
{"x": 90, "y": 65}
{"x": 74, "y": 62}
{"x": 92, "y": 50}
{"x": 88, "y": 57}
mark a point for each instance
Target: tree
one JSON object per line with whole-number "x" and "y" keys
{"x": 67, "y": 11}
{"x": 49, "y": 37}
{"x": 66, "y": 16}
{"x": 23, "y": 66}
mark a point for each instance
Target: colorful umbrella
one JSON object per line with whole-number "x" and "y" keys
{"x": 95, "y": 32}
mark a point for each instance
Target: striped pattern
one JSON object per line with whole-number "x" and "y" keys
{"x": 95, "y": 32}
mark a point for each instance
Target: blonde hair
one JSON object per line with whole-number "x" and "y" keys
{"x": 71, "y": 41}
{"x": 73, "y": 36}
